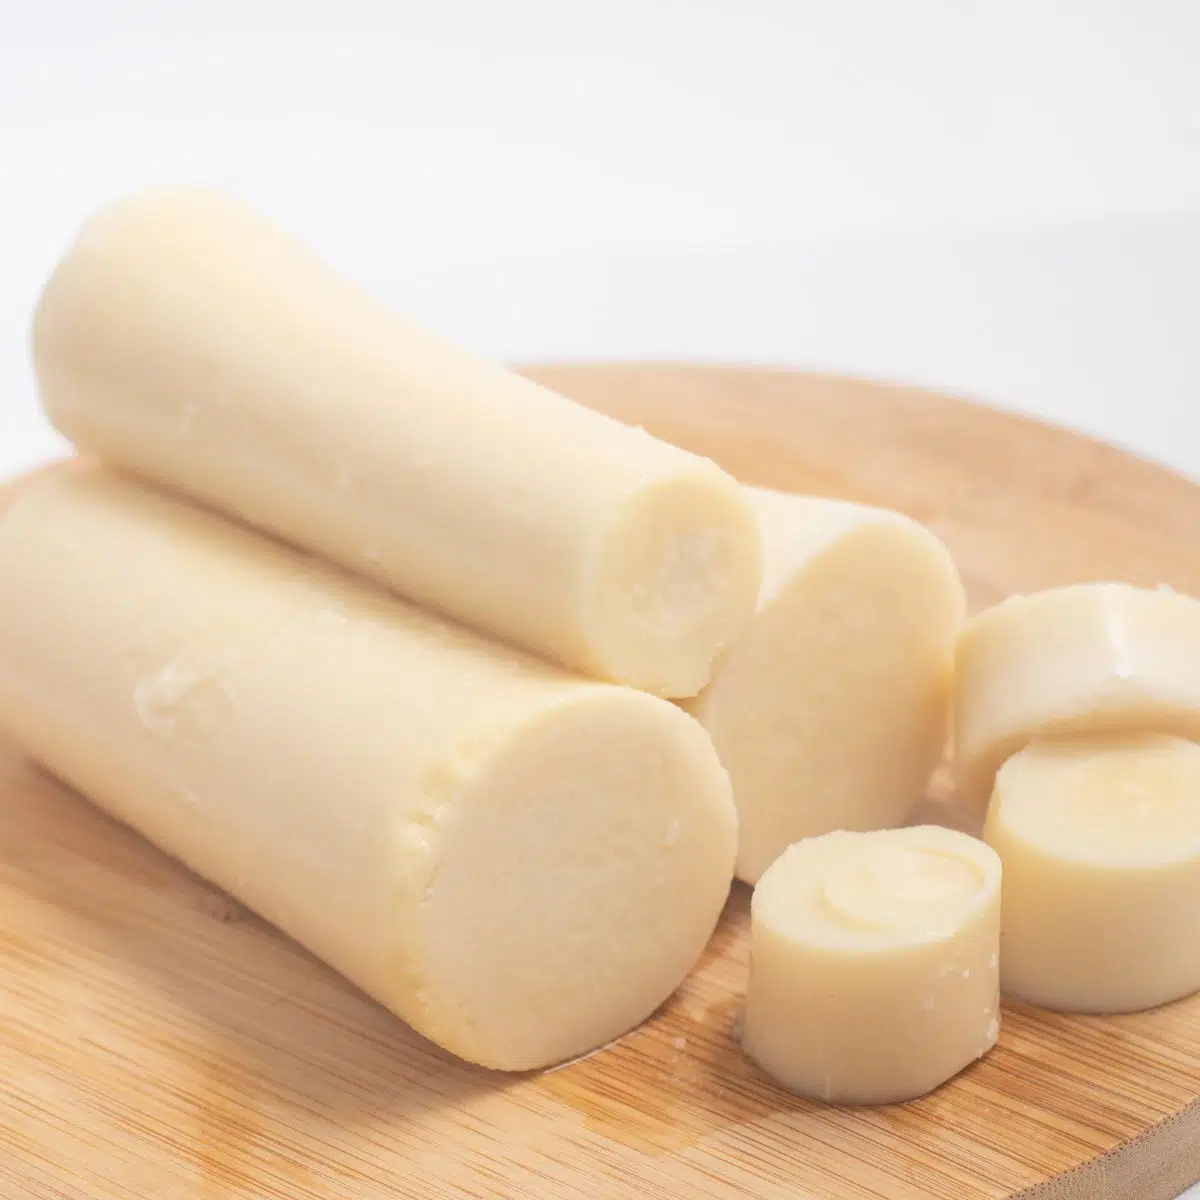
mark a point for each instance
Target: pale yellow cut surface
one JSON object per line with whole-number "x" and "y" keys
{"x": 521, "y": 864}
{"x": 1100, "y": 840}
{"x": 1084, "y": 659}
{"x": 832, "y": 709}
{"x": 874, "y": 973}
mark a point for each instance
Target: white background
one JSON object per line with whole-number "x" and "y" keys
{"x": 1002, "y": 198}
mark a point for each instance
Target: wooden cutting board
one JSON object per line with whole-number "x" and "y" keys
{"x": 158, "y": 1041}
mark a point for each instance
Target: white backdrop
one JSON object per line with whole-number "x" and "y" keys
{"x": 997, "y": 197}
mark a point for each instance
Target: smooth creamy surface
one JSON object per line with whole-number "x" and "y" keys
{"x": 873, "y": 971}
{"x": 1075, "y": 660}
{"x": 1100, "y": 840}
{"x": 832, "y": 710}
{"x": 521, "y": 864}
{"x": 186, "y": 338}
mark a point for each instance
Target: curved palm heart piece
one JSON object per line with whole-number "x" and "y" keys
{"x": 156, "y": 1039}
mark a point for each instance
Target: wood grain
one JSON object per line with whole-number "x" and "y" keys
{"x": 158, "y": 1041}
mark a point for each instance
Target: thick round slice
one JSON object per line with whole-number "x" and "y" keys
{"x": 519, "y": 863}
{"x": 832, "y": 710}
{"x": 1100, "y": 840}
{"x": 873, "y": 972}
{"x": 186, "y": 338}
{"x": 1090, "y": 658}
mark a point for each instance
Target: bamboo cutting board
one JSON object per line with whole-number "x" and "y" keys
{"x": 158, "y": 1041}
